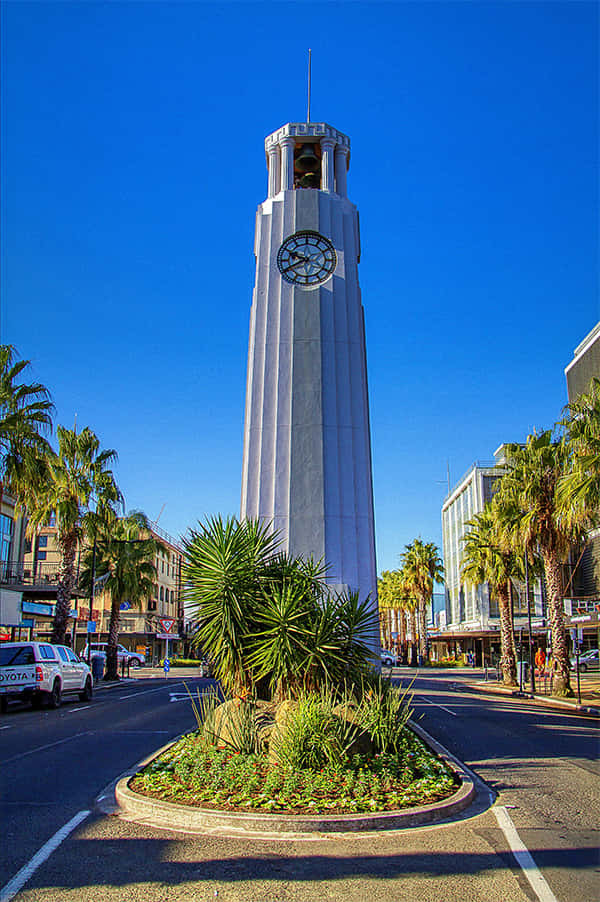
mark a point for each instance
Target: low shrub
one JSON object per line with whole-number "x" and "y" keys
{"x": 192, "y": 773}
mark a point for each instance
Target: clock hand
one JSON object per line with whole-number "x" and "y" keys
{"x": 293, "y": 265}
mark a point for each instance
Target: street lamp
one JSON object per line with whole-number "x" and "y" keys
{"x": 531, "y": 661}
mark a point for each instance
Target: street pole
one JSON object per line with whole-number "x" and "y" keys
{"x": 91, "y": 618}
{"x": 531, "y": 667}
{"x": 521, "y": 659}
{"x": 578, "y": 680}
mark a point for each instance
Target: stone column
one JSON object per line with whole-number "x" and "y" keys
{"x": 327, "y": 145}
{"x": 341, "y": 168}
{"x": 287, "y": 163}
{"x": 274, "y": 172}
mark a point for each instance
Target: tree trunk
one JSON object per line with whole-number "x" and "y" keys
{"x": 383, "y": 627}
{"x": 68, "y": 548}
{"x": 422, "y": 629}
{"x": 561, "y": 679}
{"x": 413, "y": 629}
{"x": 403, "y": 643}
{"x": 507, "y": 639}
{"x": 112, "y": 660}
{"x": 396, "y": 630}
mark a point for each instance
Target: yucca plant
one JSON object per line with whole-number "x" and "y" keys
{"x": 314, "y": 735}
{"x": 383, "y": 712}
{"x": 222, "y": 564}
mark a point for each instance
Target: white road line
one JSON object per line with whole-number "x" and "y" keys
{"x": 83, "y": 707}
{"x": 20, "y": 879}
{"x": 7, "y": 727}
{"x": 148, "y": 691}
{"x": 42, "y": 748}
{"x": 523, "y": 856}
{"x": 425, "y": 701}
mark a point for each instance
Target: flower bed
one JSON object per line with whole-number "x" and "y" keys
{"x": 190, "y": 773}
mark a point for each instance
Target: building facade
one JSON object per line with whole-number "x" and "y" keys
{"x": 142, "y": 629}
{"x": 471, "y": 619}
{"x": 307, "y": 448}
{"x": 583, "y": 605}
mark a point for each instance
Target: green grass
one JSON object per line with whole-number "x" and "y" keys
{"x": 189, "y": 773}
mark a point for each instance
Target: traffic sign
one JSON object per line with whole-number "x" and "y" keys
{"x": 167, "y": 624}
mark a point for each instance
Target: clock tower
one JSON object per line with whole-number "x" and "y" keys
{"x": 307, "y": 448}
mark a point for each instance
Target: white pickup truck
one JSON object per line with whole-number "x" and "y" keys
{"x": 38, "y": 672}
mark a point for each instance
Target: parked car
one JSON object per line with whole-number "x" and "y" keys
{"x": 588, "y": 660}
{"x": 388, "y": 658}
{"x": 40, "y": 672}
{"x": 133, "y": 658}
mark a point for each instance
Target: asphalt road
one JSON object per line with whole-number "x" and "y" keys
{"x": 543, "y": 764}
{"x": 55, "y": 764}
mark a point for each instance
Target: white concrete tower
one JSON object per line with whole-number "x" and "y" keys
{"x": 307, "y": 449}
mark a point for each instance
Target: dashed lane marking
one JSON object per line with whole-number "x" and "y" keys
{"x": 426, "y": 701}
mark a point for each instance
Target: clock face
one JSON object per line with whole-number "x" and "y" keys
{"x": 306, "y": 259}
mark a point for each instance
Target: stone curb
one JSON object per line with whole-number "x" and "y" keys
{"x": 557, "y": 703}
{"x": 189, "y": 819}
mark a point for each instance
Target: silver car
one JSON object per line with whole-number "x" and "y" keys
{"x": 588, "y": 660}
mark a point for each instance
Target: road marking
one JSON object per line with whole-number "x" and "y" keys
{"x": 181, "y": 696}
{"x": 20, "y": 879}
{"x": 71, "y": 710}
{"x": 523, "y": 856}
{"x": 426, "y": 701}
{"x": 146, "y": 692}
{"x": 42, "y": 748}
{"x": 7, "y": 727}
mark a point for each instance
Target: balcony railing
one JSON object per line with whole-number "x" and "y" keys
{"x": 16, "y": 573}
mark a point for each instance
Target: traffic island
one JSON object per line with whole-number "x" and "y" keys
{"x": 139, "y": 808}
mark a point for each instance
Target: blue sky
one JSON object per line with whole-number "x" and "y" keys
{"x": 132, "y": 166}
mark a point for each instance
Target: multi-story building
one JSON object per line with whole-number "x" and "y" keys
{"x": 12, "y": 546}
{"x": 472, "y": 617}
{"x": 579, "y": 373}
{"x": 142, "y": 629}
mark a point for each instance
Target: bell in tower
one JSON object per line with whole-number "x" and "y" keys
{"x": 307, "y": 447}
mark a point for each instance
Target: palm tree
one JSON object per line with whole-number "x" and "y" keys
{"x": 422, "y": 566}
{"x": 579, "y": 487}
{"x": 393, "y": 596}
{"x": 72, "y": 481}
{"x": 25, "y": 417}
{"x": 530, "y": 487}
{"x": 386, "y": 598}
{"x": 124, "y": 555}
{"x": 485, "y": 560}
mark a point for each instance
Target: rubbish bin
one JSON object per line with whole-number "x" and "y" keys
{"x": 97, "y": 667}
{"x": 522, "y": 672}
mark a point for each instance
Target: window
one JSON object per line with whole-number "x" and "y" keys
{"x": 16, "y": 657}
{"x": 72, "y": 656}
{"x": 162, "y": 594}
{"x": 6, "y": 531}
{"x": 47, "y": 652}
{"x": 42, "y": 541}
{"x": 41, "y": 555}
{"x": 63, "y": 653}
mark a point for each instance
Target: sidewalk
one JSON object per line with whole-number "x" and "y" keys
{"x": 151, "y": 673}
{"x": 590, "y": 693}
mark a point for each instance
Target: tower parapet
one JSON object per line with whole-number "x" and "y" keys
{"x": 307, "y": 155}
